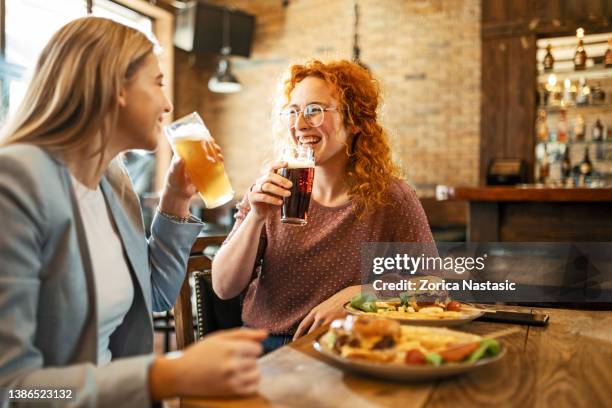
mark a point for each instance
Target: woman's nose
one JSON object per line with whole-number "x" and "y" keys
{"x": 300, "y": 121}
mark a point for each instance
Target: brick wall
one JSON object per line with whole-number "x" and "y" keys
{"x": 426, "y": 53}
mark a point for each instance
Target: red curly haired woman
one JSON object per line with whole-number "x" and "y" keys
{"x": 309, "y": 272}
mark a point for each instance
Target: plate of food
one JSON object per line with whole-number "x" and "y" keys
{"x": 408, "y": 310}
{"x": 384, "y": 348}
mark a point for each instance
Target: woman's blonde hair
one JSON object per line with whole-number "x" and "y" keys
{"x": 370, "y": 168}
{"x": 74, "y": 89}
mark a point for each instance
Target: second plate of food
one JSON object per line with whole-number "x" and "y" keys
{"x": 437, "y": 314}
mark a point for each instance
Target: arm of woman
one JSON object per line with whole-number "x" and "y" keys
{"x": 25, "y": 224}
{"x": 326, "y": 311}
{"x": 233, "y": 264}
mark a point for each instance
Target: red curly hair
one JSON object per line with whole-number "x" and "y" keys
{"x": 370, "y": 168}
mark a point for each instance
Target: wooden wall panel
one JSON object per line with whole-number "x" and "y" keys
{"x": 547, "y": 11}
{"x": 493, "y": 11}
{"x": 520, "y": 102}
{"x": 493, "y": 103}
{"x": 583, "y": 10}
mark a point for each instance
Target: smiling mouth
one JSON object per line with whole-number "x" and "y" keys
{"x": 309, "y": 140}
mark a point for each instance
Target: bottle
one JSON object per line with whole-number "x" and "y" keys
{"x": 583, "y": 92}
{"x": 597, "y": 131}
{"x": 608, "y": 56}
{"x": 598, "y": 95}
{"x": 580, "y": 57}
{"x": 568, "y": 98}
{"x": 585, "y": 168}
{"x": 542, "y": 126}
{"x": 544, "y": 167}
{"x": 579, "y": 129}
{"x": 549, "y": 60}
{"x": 566, "y": 166}
{"x": 562, "y": 128}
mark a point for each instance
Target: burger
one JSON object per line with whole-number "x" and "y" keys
{"x": 365, "y": 338}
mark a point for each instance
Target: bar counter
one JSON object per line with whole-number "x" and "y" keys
{"x": 533, "y": 214}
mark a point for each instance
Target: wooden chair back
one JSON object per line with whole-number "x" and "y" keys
{"x": 183, "y": 315}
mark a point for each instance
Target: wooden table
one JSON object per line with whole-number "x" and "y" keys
{"x": 568, "y": 363}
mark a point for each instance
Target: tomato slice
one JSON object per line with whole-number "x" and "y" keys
{"x": 453, "y": 306}
{"x": 415, "y": 356}
{"x": 455, "y": 353}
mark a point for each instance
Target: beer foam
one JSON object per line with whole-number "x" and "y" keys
{"x": 300, "y": 164}
{"x": 191, "y": 131}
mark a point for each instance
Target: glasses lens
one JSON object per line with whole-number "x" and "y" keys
{"x": 288, "y": 117}
{"x": 313, "y": 114}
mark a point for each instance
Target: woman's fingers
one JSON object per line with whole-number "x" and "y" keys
{"x": 304, "y": 325}
{"x": 272, "y": 185}
{"x": 270, "y": 188}
{"x": 315, "y": 325}
{"x": 210, "y": 156}
{"x": 212, "y": 150}
{"x": 266, "y": 198}
{"x": 277, "y": 165}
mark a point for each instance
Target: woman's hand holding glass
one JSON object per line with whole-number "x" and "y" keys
{"x": 178, "y": 187}
{"x": 269, "y": 191}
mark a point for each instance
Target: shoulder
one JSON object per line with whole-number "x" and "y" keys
{"x": 29, "y": 182}
{"x": 25, "y": 160}
{"x": 400, "y": 193}
{"x": 27, "y": 166}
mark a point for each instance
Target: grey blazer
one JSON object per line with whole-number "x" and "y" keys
{"x": 48, "y": 317}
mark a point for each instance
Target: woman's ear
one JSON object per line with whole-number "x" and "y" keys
{"x": 121, "y": 98}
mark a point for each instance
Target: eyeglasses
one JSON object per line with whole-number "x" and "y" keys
{"x": 313, "y": 114}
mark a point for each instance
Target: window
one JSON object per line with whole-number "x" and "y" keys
{"x": 28, "y": 26}
{"x": 124, "y": 15}
{"x": 24, "y": 44}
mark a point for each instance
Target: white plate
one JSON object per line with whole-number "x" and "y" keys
{"x": 419, "y": 322}
{"x": 399, "y": 372}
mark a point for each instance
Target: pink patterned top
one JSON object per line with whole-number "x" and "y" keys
{"x": 305, "y": 265}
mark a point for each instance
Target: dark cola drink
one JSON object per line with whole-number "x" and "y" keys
{"x": 300, "y": 170}
{"x": 295, "y": 207}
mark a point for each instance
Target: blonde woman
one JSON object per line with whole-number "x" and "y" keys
{"x": 309, "y": 272}
{"x": 78, "y": 279}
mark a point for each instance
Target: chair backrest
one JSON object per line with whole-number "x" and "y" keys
{"x": 183, "y": 316}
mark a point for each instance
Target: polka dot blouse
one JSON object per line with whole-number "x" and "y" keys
{"x": 305, "y": 265}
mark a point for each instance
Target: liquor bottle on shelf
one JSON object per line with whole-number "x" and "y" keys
{"x": 549, "y": 60}
{"x": 585, "y": 168}
{"x": 598, "y": 95}
{"x": 562, "y": 128}
{"x": 583, "y": 92}
{"x": 607, "y": 57}
{"x": 555, "y": 171}
{"x": 544, "y": 168}
{"x": 597, "y": 132}
{"x": 542, "y": 126}
{"x": 579, "y": 129}
{"x": 566, "y": 167}
{"x": 580, "y": 57}
{"x": 568, "y": 97}
{"x": 554, "y": 91}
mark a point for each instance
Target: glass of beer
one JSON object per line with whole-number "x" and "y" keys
{"x": 300, "y": 170}
{"x": 186, "y": 136}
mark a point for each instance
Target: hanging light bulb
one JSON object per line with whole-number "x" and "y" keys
{"x": 224, "y": 81}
